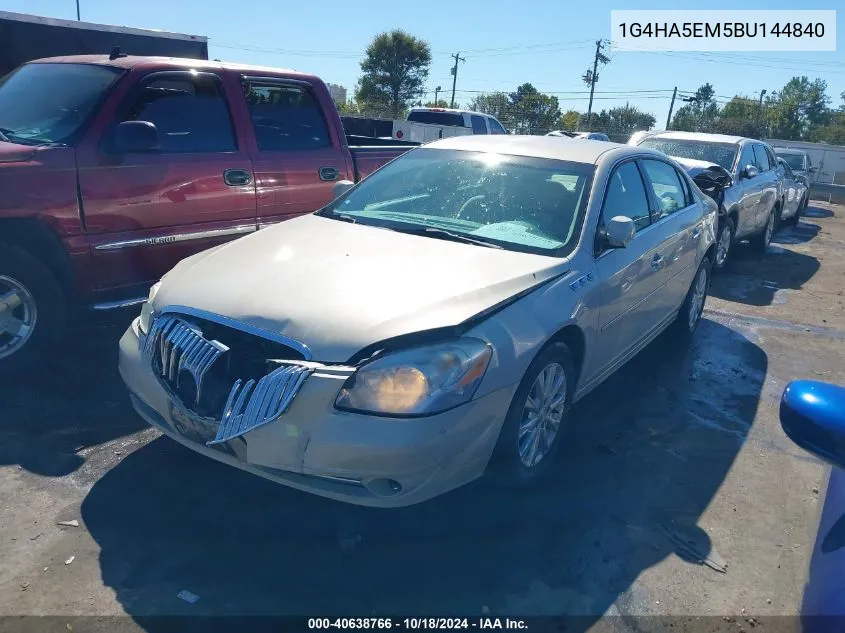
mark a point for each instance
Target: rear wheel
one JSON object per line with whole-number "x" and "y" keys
{"x": 535, "y": 423}
{"x": 795, "y": 217}
{"x": 32, "y": 308}
{"x": 761, "y": 241}
{"x": 690, "y": 313}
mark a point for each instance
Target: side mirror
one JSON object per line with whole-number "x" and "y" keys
{"x": 341, "y": 187}
{"x": 812, "y": 414}
{"x": 136, "y": 136}
{"x": 620, "y": 231}
{"x": 750, "y": 171}
{"x": 812, "y": 170}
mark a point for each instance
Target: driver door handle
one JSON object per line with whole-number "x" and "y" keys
{"x": 696, "y": 233}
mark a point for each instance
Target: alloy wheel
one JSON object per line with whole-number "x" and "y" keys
{"x": 542, "y": 415}
{"x": 18, "y": 315}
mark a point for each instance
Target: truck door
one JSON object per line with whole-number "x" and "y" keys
{"x": 297, "y": 156}
{"x": 147, "y": 210}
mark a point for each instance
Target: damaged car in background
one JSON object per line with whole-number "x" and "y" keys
{"x": 751, "y": 207}
{"x": 434, "y": 322}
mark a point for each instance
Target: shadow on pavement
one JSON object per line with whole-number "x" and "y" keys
{"x": 647, "y": 452}
{"x": 763, "y": 281}
{"x": 818, "y": 212}
{"x": 799, "y": 234}
{"x": 75, "y": 400}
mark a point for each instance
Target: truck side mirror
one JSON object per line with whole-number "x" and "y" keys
{"x": 136, "y": 136}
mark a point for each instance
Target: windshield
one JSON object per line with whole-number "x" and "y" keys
{"x": 723, "y": 154}
{"x": 437, "y": 118}
{"x": 48, "y": 103}
{"x": 795, "y": 161}
{"x": 518, "y": 203}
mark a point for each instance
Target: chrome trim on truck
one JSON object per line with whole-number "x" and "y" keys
{"x": 179, "y": 237}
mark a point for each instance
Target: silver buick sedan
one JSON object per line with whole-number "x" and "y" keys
{"x": 434, "y": 322}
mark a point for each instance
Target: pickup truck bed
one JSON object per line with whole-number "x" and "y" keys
{"x": 113, "y": 169}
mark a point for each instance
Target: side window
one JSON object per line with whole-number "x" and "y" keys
{"x": 190, "y": 113}
{"x": 787, "y": 170}
{"x": 762, "y": 160}
{"x": 747, "y": 158}
{"x": 667, "y": 187}
{"x": 626, "y": 196}
{"x": 285, "y": 117}
{"x": 479, "y": 125}
{"x": 689, "y": 197}
{"x": 771, "y": 156}
{"x": 495, "y": 127}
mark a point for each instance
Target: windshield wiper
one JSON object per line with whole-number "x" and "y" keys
{"x": 446, "y": 235}
{"x": 3, "y": 133}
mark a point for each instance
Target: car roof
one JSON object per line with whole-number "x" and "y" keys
{"x": 132, "y": 61}
{"x": 552, "y": 147}
{"x": 701, "y": 136}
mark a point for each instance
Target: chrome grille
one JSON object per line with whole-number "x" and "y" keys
{"x": 175, "y": 346}
{"x": 255, "y": 403}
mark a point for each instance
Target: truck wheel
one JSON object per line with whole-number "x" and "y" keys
{"x": 761, "y": 241}
{"x": 32, "y": 308}
{"x": 795, "y": 217}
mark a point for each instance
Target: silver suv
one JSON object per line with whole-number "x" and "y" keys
{"x": 752, "y": 205}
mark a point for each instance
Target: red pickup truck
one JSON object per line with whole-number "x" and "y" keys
{"x": 113, "y": 168}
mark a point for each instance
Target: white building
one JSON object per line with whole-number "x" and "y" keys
{"x": 338, "y": 93}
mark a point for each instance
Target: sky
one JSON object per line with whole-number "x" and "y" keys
{"x": 549, "y": 43}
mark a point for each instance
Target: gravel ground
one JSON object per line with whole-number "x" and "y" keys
{"x": 678, "y": 493}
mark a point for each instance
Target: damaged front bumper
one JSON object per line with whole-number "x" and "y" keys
{"x": 311, "y": 446}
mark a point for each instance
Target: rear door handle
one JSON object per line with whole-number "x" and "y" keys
{"x": 237, "y": 177}
{"x": 328, "y": 173}
{"x": 656, "y": 262}
{"x": 696, "y": 233}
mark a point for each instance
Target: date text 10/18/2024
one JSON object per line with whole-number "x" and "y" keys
{"x": 409, "y": 624}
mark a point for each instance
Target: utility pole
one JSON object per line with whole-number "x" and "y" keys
{"x": 458, "y": 58}
{"x": 671, "y": 106}
{"x": 77, "y": 11}
{"x": 591, "y": 77}
{"x": 436, "y": 91}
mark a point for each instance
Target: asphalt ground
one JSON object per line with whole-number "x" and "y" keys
{"x": 677, "y": 493}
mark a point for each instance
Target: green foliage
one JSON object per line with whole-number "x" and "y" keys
{"x": 701, "y": 113}
{"x": 569, "y": 120}
{"x": 621, "y": 121}
{"x": 441, "y": 103}
{"x": 526, "y": 111}
{"x": 395, "y": 69}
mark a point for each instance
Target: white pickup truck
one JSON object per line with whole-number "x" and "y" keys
{"x": 429, "y": 124}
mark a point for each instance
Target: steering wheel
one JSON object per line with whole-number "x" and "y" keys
{"x": 465, "y": 205}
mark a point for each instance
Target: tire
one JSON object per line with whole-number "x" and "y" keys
{"x": 724, "y": 244}
{"x": 795, "y": 217}
{"x": 760, "y": 242}
{"x": 510, "y": 466}
{"x": 39, "y": 303}
{"x": 689, "y": 316}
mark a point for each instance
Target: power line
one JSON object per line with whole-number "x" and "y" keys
{"x": 458, "y": 58}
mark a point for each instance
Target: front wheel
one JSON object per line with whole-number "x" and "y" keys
{"x": 724, "y": 243}
{"x": 795, "y": 217}
{"x": 32, "y": 308}
{"x": 532, "y": 432}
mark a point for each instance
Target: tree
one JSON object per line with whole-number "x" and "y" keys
{"x": 701, "y": 113}
{"x": 534, "y": 112}
{"x": 622, "y": 121}
{"x": 395, "y": 69}
{"x": 570, "y": 120}
{"x": 741, "y": 116}
{"x": 441, "y": 103}
{"x": 496, "y": 104}
{"x": 795, "y": 110}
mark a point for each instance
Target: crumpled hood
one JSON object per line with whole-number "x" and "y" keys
{"x": 14, "y": 153}
{"x": 695, "y": 167}
{"x": 338, "y": 287}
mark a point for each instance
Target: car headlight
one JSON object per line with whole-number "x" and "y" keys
{"x": 420, "y": 381}
{"x": 147, "y": 310}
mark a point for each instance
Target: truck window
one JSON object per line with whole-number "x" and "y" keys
{"x": 747, "y": 158}
{"x": 190, "y": 113}
{"x": 285, "y": 117}
{"x": 495, "y": 127}
{"x": 479, "y": 126}
{"x": 437, "y": 118}
{"x": 50, "y": 103}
